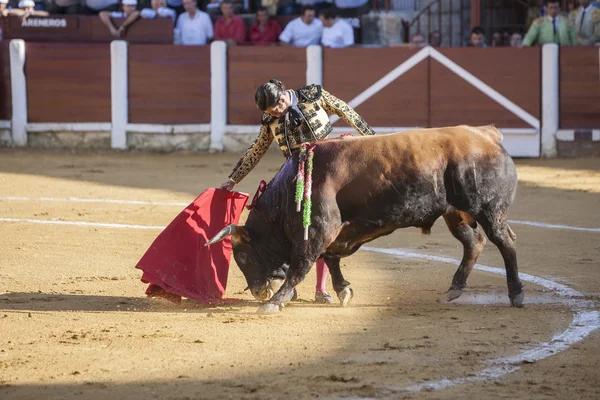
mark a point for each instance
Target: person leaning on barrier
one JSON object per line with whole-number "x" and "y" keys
{"x": 27, "y": 9}
{"x": 159, "y": 10}
{"x": 129, "y": 13}
{"x": 292, "y": 118}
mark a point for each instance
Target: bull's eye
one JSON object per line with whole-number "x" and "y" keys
{"x": 242, "y": 258}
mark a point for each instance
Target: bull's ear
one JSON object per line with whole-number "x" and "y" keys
{"x": 241, "y": 235}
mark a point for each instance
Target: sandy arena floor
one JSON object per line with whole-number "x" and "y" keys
{"x": 75, "y": 323}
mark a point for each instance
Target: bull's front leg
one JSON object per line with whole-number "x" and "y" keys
{"x": 297, "y": 271}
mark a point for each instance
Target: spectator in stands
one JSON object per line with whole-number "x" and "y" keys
{"x": 64, "y": 7}
{"x": 551, "y": 28}
{"x": 586, "y": 22}
{"x": 497, "y": 39}
{"x": 95, "y": 6}
{"x": 194, "y": 27}
{"x": 435, "y": 39}
{"x": 337, "y": 33}
{"x": 129, "y": 13}
{"x": 477, "y": 38}
{"x": 265, "y": 30}
{"x": 516, "y": 40}
{"x": 418, "y": 40}
{"x": 4, "y": 8}
{"x": 27, "y": 9}
{"x": 230, "y": 27}
{"x": 159, "y": 10}
{"x": 302, "y": 31}
{"x": 506, "y": 35}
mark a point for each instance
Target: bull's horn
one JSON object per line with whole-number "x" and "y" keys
{"x": 227, "y": 231}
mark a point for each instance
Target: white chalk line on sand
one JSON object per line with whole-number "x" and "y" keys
{"x": 583, "y": 324}
{"x": 80, "y": 200}
{"x": 178, "y": 204}
{"x": 80, "y": 223}
{"x": 560, "y": 289}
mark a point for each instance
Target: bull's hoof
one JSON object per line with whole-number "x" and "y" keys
{"x": 268, "y": 308}
{"x": 453, "y": 294}
{"x": 323, "y": 298}
{"x": 345, "y": 296}
{"x": 517, "y": 300}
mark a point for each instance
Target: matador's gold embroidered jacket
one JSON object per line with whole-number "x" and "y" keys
{"x": 315, "y": 104}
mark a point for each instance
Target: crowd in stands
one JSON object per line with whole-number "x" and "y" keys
{"x": 319, "y": 22}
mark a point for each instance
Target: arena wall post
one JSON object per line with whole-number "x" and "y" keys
{"x": 119, "y": 92}
{"x": 19, "y": 92}
{"x": 550, "y": 99}
{"x": 314, "y": 65}
{"x": 218, "y": 89}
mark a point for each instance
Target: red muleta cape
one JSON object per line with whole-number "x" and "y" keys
{"x": 177, "y": 264}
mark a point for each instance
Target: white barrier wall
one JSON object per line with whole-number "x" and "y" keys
{"x": 211, "y": 136}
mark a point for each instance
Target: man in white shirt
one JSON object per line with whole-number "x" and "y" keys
{"x": 194, "y": 27}
{"x": 337, "y": 33}
{"x": 302, "y": 31}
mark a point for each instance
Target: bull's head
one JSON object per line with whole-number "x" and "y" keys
{"x": 263, "y": 271}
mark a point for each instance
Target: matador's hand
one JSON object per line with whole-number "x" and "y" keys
{"x": 228, "y": 185}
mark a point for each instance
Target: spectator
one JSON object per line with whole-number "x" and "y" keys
{"x": 95, "y": 6}
{"x": 129, "y": 13}
{"x": 64, "y": 7}
{"x": 302, "y": 31}
{"x": 586, "y": 22}
{"x": 551, "y": 28}
{"x": 516, "y": 40}
{"x": 477, "y": 38}
{"x": 4, "y": 8}
{"x": 506, "y": 35}
{"x": 418, "y": 40}
{"x": 265, "y": 30}
{"x": 435, "y": 39}
{"x": 159, "y": 10}
{"x": 194, "y": 27}
{"x": 27, "y": 9}
{"x": 497, "y": 39}
{"x": 337, "y": 33}
{"x": 230, "y": 27}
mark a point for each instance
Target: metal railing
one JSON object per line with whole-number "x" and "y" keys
{"x": 434, "y": 11}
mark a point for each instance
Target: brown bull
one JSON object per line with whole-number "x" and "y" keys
{"x": 367, "y": 187}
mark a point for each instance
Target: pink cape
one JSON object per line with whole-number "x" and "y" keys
{"x": 177, "y": 264}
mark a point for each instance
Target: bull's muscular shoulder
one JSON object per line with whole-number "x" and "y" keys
{"x": 266, "y": 119}
{"x": 310, "y": 93}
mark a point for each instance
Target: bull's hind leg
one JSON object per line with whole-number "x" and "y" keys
{"x": 340, "y": 285}
{"x": 505, "y": 239}
{"x": 464, "y": 228}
